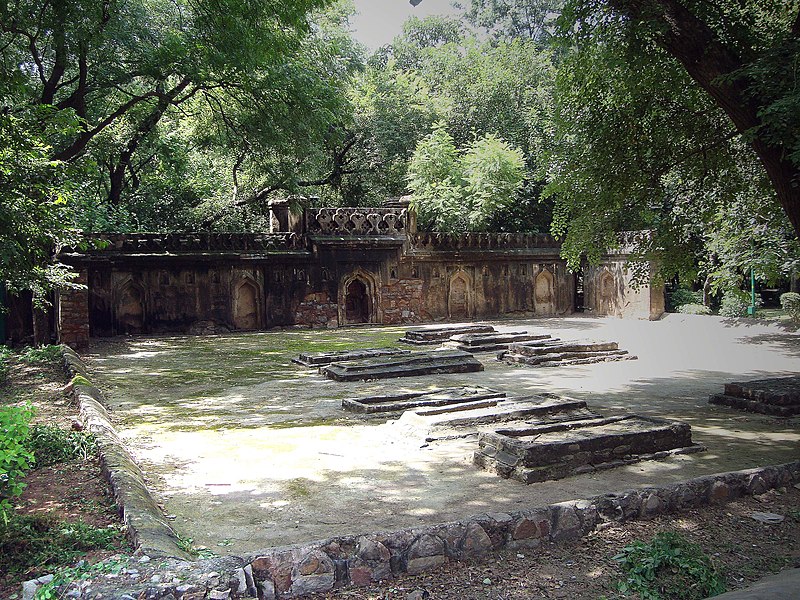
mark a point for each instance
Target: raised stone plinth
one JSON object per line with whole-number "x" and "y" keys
{"x": 408, "y": 365}
{"x": 554, "y": 352}
{"x": 490, "y": 342}
{"x": 539, "y": 453}
{"x": 779, "y": 396}
{"x": 316, "y": 359}
{"x": 470, "y": 396}
{"x": 460, "y": 420}
{"x": 437, "y": 335}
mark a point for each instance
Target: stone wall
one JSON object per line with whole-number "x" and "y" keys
{"x": 336, "y": 267}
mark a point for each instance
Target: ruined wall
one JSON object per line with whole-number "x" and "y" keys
{"x": 609, "y": 291}
{"x": 337, "y": 267}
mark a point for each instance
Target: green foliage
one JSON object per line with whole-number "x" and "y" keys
{"x": 693, "y": 309}
{"x": 790, "y": 302}
{"x": 41, "y": 542}
{"x": 735, "y": 303}
{"x": 669, "y": 567}
{"x": 51, "y": 445}
{"x": 15, "y": 456}
{"x": 40, "y": 354}
{"x": 5, "y": 354}
{"x": 680, "y": 296}
{"x": 462, "y": 190}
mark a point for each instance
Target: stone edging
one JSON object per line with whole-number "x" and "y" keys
{"x": 146, "y": 526}
{"x": 293, "y": 571}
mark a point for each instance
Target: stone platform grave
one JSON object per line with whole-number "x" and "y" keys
{"x": 436, "y": 335}
{"x": 489, "y": 342}
{"x": 407, "y": 365}
{"x": 553, "y": 451}
{"x": 317, "y": 359}
{"x": 779, "y": 396}
{"x": 462, "y": 420}
{"x": 468, "y": 396}
{"x": 553, "y": 352}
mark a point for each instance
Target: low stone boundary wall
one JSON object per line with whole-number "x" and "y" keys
{"x": 290, "y": 572}
{"x": 146, "y": 526}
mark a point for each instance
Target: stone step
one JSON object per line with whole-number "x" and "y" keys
{"x": 756, "y": 406}
{"x": 463, "y": 420}
{"x": 409, "y": 365}
{"x": 489, "y": 342}
{"x": 554, "y": 451}
{"x": 566, "y": 358}
{"x": 783, "y": 391}
{"x": 437, "y": 335}
{"x": 558, "y": 347}
{"x": 316, "y": 359}
{"x": 436, "y": 397}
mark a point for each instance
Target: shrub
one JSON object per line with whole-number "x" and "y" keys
{"x": 694, "y": 309}
{"x": 15, "y": 456}
{"x": 735, "y": 303}
{"x": 40, "y": 541}
{"x": 51, "y": 445}
{"x": 668, "y": 567}
{"x": 41, "y": 354}
{"x": 5, "y": 353}
{"x": 681, "y": 296}
{"x": 790, "y": 302}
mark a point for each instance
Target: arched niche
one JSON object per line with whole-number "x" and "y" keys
{"x": 129, "y": 309}
{"x": 607, "y": 292}
{"x": 247, "y": 305}
{"x": 358, "y": 302}
{"x": 460, "y": 303}
{"x": 544, "y": 293}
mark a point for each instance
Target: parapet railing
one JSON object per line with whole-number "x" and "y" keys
{"x": 433, "y": 242}
{"x": 357, "y": 221}
{"x": 142, "y": 243}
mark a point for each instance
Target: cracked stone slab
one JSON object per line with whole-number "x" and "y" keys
{"x": 436, "y": 397}
{"x": 779, "y": 396}
{"x": 538, "y": 453}
{"x": 410, "y": 365}
{"x": 317, "y": 359}
{"x": 437, "y": 335}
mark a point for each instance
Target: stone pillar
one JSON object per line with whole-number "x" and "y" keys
{"x": 72, "y": 308}
{"x": 282, "y": 219}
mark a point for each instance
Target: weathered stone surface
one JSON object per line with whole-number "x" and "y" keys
{"x": 313, "y": 574}
{"x": 489, "y": 342}
{"x": 436, "y": 397}
{"x": 413, "y": 364}
{"x": 779, "y": 396}
{"x": 553, "y": 451}
{"x": 476, "y": 541}
{"x": 436, "y": 335}
{"x": 316, "y": 359}
{"x": 427, "y": 552}
{"x": 554, "y": 352}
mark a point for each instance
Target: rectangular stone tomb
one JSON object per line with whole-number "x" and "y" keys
{"x": 409, "y": 365}
{"x": 469, "y": 396}
{"x": 779, "y": 396}
{"x": 437, "y": 335}
{"x": 539, "y": 453}
{"x": 490, "y": 342}
{"x": 555, "y": 353}
{"x": 465, "y": 419}
{"x": 316, "y": 359}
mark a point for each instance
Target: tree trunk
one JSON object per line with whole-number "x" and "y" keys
{"x": 710, "y": 63}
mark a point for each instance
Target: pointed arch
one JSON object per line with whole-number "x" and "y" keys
{"x": 129, "y": 308}
{"x": 460, "y": 301}
{"x": 247, "y": 305}
{"x": 358, "y": 298}
{"x": 544, "y": 293}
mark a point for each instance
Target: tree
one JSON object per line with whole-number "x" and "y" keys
{"x": 462, "y": 191}
{"x": 509, "y": 19}
{"x": 641, "y": 146}
{"x": 740, "y": 54}
{"x": 253, "y": 72}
